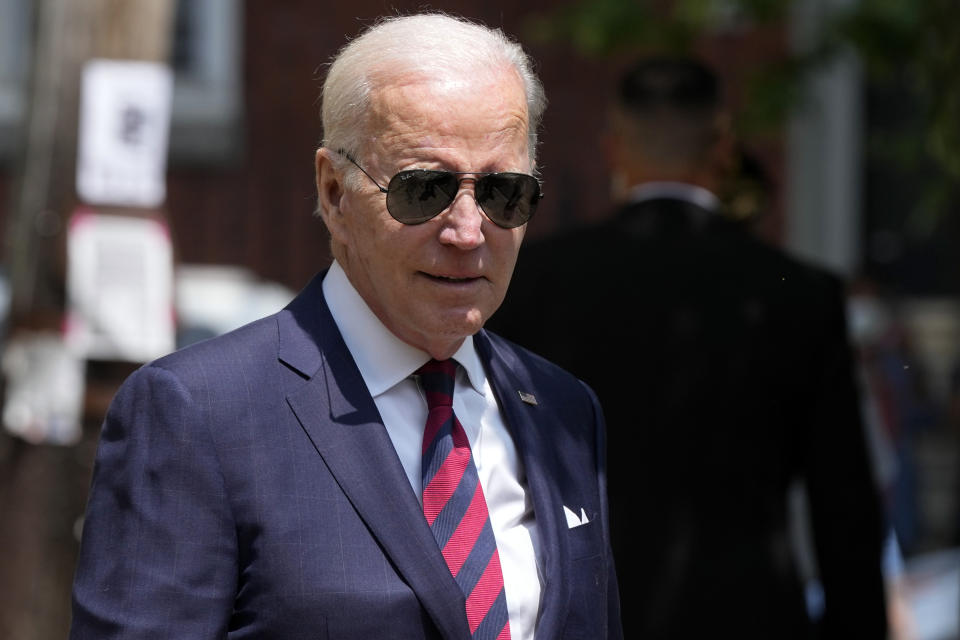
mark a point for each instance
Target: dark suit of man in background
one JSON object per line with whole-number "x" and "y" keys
{"x": 725, "y": 375}
{"x": 267, "y": 483}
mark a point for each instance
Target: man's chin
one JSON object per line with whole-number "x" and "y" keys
{"x": 460, "y": 324}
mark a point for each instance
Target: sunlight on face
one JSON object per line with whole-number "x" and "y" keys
{"x": 435, "y": 283}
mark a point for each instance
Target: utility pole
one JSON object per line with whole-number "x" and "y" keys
{"x": 69, "y": 33}
{"x": 43, "y": 488}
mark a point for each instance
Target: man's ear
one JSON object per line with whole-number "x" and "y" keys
{"x": 723, "y": 154}
{"x": 612, "y": 141}
{"x": 330, "y": 193}
{"x": 619, "y": 153}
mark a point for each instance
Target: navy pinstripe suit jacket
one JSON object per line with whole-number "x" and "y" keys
{"x": 245, "y": 488}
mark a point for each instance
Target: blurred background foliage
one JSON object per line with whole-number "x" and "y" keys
{"x": 908, "y": 49}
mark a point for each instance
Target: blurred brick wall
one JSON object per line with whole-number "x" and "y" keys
{"x": 258, "y": 211}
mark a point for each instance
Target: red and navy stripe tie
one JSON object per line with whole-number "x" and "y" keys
{"x": 456, "y": 510}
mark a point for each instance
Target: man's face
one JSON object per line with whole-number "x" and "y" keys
{"x": 435, "y": 283}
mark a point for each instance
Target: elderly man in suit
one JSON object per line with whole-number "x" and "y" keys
{"x": 369, "y": 462}
{"x": 725, "y": 375}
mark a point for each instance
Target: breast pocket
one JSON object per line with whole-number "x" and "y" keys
{"x": 585, "y": 540}
{"x": 586, "y": 616}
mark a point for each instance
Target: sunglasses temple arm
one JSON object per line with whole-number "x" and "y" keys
{"x": 362, "y": 170}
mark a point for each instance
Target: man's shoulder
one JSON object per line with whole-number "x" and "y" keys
{"x": 249, "y": 345}
{"x": 244, "y": 348}
{"x": 791, "y": 268}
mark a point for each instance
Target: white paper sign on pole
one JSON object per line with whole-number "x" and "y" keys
{"x": 119, "y": 287}
{"x": 123, "y": 133}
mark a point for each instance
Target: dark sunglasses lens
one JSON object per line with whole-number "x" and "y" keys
{"x": 416, "y": 196}
{"x": 509, "y": 199}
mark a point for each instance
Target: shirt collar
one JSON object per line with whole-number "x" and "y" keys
{"x": 675, "y": 190}
{"x": 383, "y": 358}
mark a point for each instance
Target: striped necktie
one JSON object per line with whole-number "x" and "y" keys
{"x": 456, "y": 510}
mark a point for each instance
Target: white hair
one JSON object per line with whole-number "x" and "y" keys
{"x": 434, "y": 44}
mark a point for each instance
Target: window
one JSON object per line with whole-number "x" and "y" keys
{"x": 206, "y": 57}
{"x": 207, "y": 91}
{"x": 15, "y": 33}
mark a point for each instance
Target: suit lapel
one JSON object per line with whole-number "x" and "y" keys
{"x": 529, "y": 426}
{"x": 342, "y": 421}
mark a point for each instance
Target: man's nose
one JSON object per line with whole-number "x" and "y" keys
{"x": 463, "y": 220}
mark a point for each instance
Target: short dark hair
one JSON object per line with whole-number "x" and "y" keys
{"x": 678, "y": 84}
{"x": 670, "y": 108}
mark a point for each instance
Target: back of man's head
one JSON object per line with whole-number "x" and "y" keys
{"x": 668, "y": 114}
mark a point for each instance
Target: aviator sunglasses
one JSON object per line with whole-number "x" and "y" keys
{"x": 417, "y": 195}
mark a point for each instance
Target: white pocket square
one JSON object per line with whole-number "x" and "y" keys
{"x": 573, "y": 520}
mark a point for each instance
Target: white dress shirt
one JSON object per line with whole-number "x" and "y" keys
{"x": 387, "y": 364}
{"x": 692, "y": 193}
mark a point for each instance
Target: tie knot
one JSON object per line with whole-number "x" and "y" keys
{"x": 437, "y": 378}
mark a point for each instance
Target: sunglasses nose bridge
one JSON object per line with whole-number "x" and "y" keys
{"x": 462, "y": 221}
{"x": 468, "y": 212}
{"x": 462, "y": 179}
{"x": 461, "y": 189}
